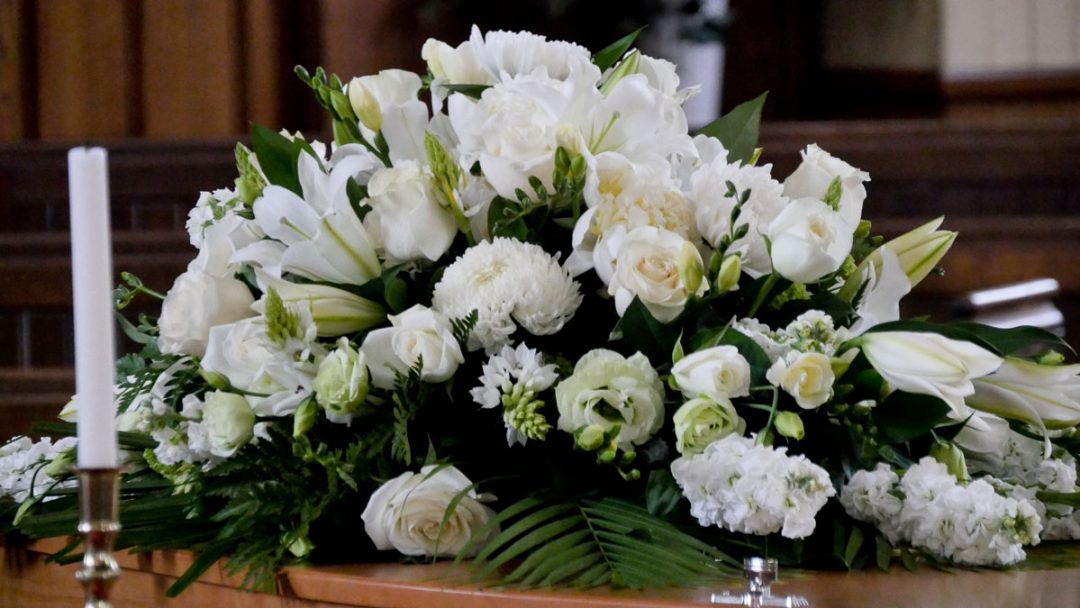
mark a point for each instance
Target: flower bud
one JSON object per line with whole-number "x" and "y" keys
{"x": 304, "y": 417}
{"x": 728, "y": 277}
{"x": 214, "y": 379}
{"x": 590, "y": 437}
{"x": 952, "y": 457}
{"x": 789, "y": 424}
{"x": 702, "y": 421}
{"x": 342, "y": 382}
{"x": 691, "y": 269}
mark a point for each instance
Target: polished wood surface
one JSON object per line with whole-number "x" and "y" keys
{"x": 27, "y": 582}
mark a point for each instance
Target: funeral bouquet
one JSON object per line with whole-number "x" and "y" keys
{"x": 516, "y": 312}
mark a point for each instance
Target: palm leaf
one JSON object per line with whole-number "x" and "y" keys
{"x": 591, "y": 543}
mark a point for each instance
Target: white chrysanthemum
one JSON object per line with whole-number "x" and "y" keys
{"x": 743, "y": 487}
{"x": 517, "y": 373}
{"x": 509, "y": 284}
{"x": 712, "y": 208}
{"x": 22, "y": 463}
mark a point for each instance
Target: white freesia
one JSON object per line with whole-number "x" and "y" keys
{"x": 809, "y": 240}
{"x": 703, "y": 420}
{"x": 929, "y": 364}
{"x": 1025, "y": 390}
{"x": 197, "y": 302}
{"x": 418, "y": 334}
{"x": 719, "y": 372}
{"x": 407, "y": 513}
{"x": 653, "y": 265}
{"x": 608, "y": 389}
{"x": 808, "y": 377}
{"x": 406, "y": 218}
{"x": 228, "y": 421}
{"x": 816, "y": 173}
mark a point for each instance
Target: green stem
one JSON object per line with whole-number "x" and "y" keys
{"x": 763, "y": 294}
{"x": 772, "y": 416}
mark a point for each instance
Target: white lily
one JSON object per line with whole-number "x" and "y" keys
{"x": 929, "y": 364}
{"x": 336, "y": 312}
{"x": 1025, "y": 390}
{"x": 918, "y": 251}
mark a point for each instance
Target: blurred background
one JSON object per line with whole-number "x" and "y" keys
{"x": 967, "y": 108}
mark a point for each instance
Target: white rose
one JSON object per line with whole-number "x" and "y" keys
{"x": 406, "y": 513}
{"x": 659, "y": 267}
{"x": 929, "y": 364}
{"x": 718, "y": 372}
{"x": 808, "y": 377}
{"x": 197, "y": 302}
{"x": 419, "y": 333}
{"x": 228, "y": 421}
{"x": 816, "y": 173}
{"x": 699, "y": 422}
{"x": 341, "y": 384}
{"x": 809, "y": 240}
{"x": 406, "y": 217}
{"x": 608, "y": 389}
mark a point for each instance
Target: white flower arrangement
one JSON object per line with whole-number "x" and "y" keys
{"x": 651, "y": 322}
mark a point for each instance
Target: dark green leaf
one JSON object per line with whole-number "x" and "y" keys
{"x": 1016, "y": 339}
{"x": 277, "y": 157}
{"x": 643, "y": 333}
{"x": 610, "y": 54}
{"x": 883, "y": 552}
{"x": 738, "y": 129}
{"x": 662, "y": 494}
{"x": 904, "y": 416}
{"x": 469, "y": 90}
{"x": 854, "y": 543}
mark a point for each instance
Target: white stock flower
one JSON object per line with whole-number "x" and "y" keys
{"x": 874, "y": 497}
{"x": 703, "y": 420}
{"x": 809, "y": 240}
{"x": 23, "y": 462}
{"x": 228, "y": 421}
{"x": 712, "y": 208}
{"x": 652, "y": 265}
{"x": 754, "y": 489}
{"x": 197, "y": 302}
{"x": 406, "y": 218}
{"x": 418, "y": 334}
{"x": 211, "y": 208}
{"x": 926, "y": 363}
{"x": 808, "y": 377}
{"x": 406, "y": 513}
{"x": 719, "y": 372}
{"x": 608, "y": 389}
{"x": 508, "y": 283}
{"x": 816, "y": 173}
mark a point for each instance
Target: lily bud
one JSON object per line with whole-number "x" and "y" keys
{"x": 952, "y": 457}
{"x": 919, "y": 251}
{"x": 691, "y": 269}
{"x": 728, "y": 277}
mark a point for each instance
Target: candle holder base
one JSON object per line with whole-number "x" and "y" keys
{"x": 99, "y": 523}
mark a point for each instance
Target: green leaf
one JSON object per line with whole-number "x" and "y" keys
{"x": 882, "y": 553}
{"x": 854, "y": 543}
{"x": 202, "y": 563}
{"x": 610, "y": 54}
{"x": 642, "y": 332}
{"x": 904, "y": 416}
{"x": 662, "y": 493}
{"x": 738, "y": 129}
{"x": 277, "y": 157}
{"x": 469, "y": 90}
{"x": 1016, "y": 339}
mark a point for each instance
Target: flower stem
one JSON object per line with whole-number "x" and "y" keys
{"x": 763, "y": 294}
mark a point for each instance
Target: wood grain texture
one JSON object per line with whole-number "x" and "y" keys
{"x": 29, "y": 583}
{"x": 192, "y": 68}
{"x": 15, "y": 62}
{"x": 87, "y": 81}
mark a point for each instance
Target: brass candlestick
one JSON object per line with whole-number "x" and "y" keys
{"x": 99, "y": 523}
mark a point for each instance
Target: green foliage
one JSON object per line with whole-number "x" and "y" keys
{"x": 329, "y": 91}
{"x": 903, "y": 416}
{"x": 278, "y": 156}
{"x": 525, "y": 218}
{"x": 463, "y": 327}
{"x": 607, "y": 56}
{"x": 643, "y": 333}
{"x": 409, "y": 396}
{"x": 738, "y": 129}
{"x": 591, "y": 543}
{"x": 468, "y": 90}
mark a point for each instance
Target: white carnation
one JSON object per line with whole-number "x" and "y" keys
{"x": 743, "y": 487}
{"x": 509, "y": 284}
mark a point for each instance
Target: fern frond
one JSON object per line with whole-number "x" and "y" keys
{"x": 591, "y": 543}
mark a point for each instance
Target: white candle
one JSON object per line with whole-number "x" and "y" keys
{"x": 91, "y": 272}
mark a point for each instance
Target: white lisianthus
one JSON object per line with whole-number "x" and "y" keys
{"x": 508, "y": 283}
{"x": 197, "y": 302}
{"x": 654, "y": 265}
{"x": 808, "y": 377}
{"x": 406, "y": 218}
{"x": 712, "y": 208}
{"x": 755, "y": 489}
{"x": 816, "y": 173}
{"x": 701, "y": 421}
{"x": 608, "y": 389}
{"x": 418, "y": 334}
{"x": 1025, "y": 390}
{"x": 809, "y": 240}
{"x": 406, "y": 513}
{"x": 341, "y": 384}
{"x": 719, "y": 372}
{"x": 228, "y": 421}
{"x": 929, "y": 364}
